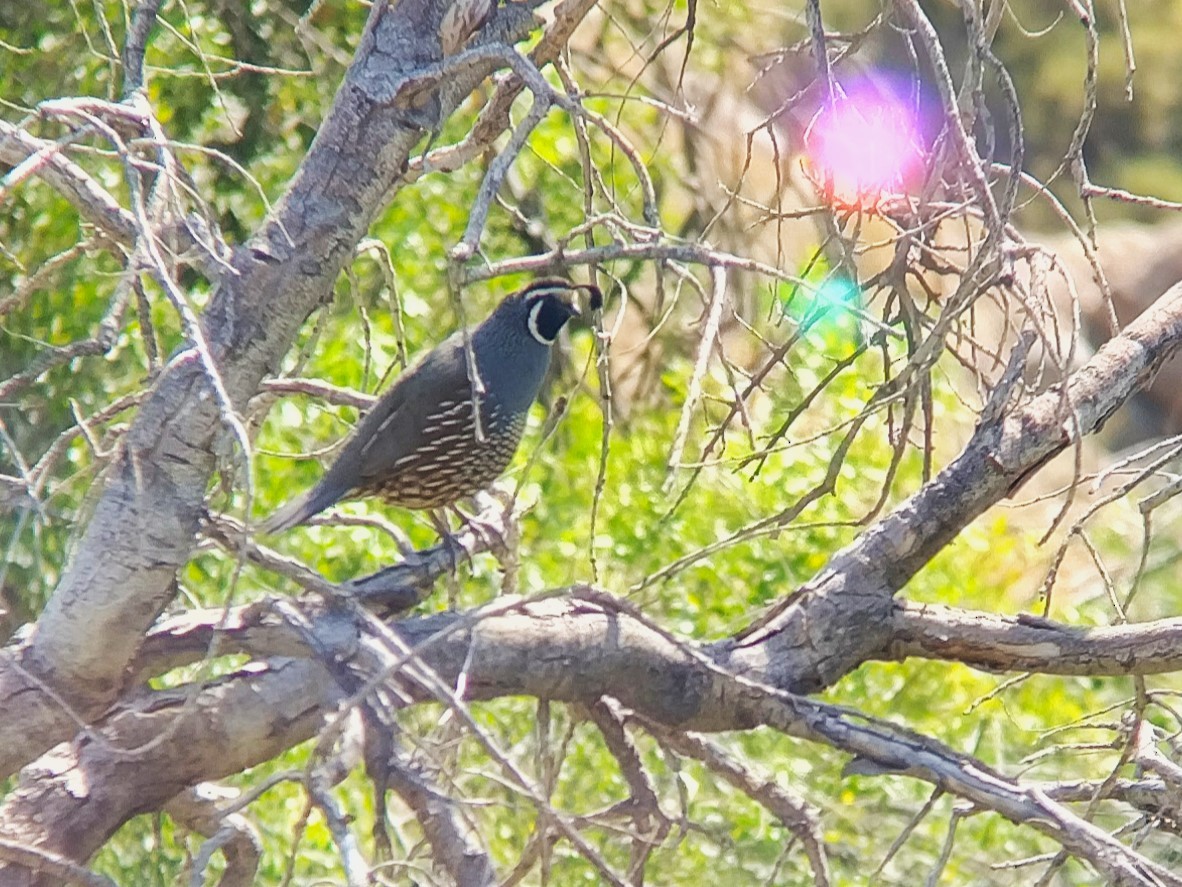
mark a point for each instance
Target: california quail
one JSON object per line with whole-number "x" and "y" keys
{"x": 418, "y": 447}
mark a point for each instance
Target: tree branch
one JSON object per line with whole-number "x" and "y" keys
{"x": 230, "y": 833}
{"x": 456, "y": 845}
{"x": 46, "y": 160}
{"x": 844, "y": 614}
{"x": 75, "y": 798}
{"x": 1024, "y": 643}
{"x": 574, "y": 650}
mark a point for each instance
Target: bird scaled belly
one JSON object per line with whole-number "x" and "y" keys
{"x": 436, "y": 479}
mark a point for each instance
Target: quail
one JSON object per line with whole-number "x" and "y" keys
{"x": 420, "y": 446}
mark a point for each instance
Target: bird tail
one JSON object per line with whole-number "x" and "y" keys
{"x": 299, "y": 510}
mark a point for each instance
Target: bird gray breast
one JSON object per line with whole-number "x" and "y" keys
{"x": 511, "y": 368}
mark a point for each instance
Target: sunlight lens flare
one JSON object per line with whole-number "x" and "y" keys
{"x": 825, "y": 304}
{"x": 835, "y": 294}
{"x": 865, "y": 145}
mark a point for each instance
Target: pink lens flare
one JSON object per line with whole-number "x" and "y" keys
{"x": 865, "y": 145}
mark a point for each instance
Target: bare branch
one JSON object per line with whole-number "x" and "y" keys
{"x": 705, "y": 349}
{"x": 999, "y": 457}
{"x": 46, "y": 159}
{"x": 799, "y": 817}
{"x": 1027, "y": 643}
{"x": 456, "y": 845}
{"x": 62, "y": 870}
{"x": 230, "y": 834}
{"x": 143, "y": 17}
{"x": 642, "y": 807}
{"x": 102, "y": 342}
{"x": 529, "y": 647}
{"x": 237, "y": 722}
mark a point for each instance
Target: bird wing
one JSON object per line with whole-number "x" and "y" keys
{"x": 397, "y": 425}
{"x": 400, "y": 423}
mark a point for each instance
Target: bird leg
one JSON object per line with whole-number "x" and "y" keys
{"x": 491, "y": 532}
{"x": 501, "y": 504}
{"x": 454, "y": 546}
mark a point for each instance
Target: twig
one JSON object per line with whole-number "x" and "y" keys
{"x": 799, "y": 817}
{"x": 456, "y": 844}
{"x": 718, "y": 286}
{"x": 642, "y": 807}
{"x": 493, "y": 180}
{"x": 29, "y": 155}
{"x": 229, "y": 833}
{"x": 143, "y": 17}
{"x": 101, "y": 343}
